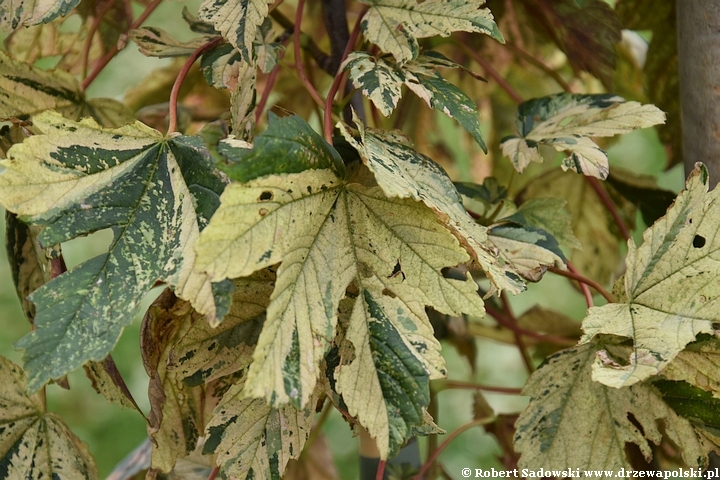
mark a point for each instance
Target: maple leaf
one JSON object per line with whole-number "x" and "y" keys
{"x": 574, "y": 422}
{"x": 237, "y": 20}
{"x": 155, "y": 193}
{"x": 294, "y": 203}
{"x": 33, "y": 443}
{"x": 24, "y": 13}
{"x": 670, "y": 284}
{"x": 381, "y": 80}
{"x": 395, "y": 25}
{"x": 565, "y": 121}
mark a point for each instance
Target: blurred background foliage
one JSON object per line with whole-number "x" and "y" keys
{"x": 143, "y": 82}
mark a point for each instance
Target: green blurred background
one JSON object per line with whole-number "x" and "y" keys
{"x": 112, "y": 432}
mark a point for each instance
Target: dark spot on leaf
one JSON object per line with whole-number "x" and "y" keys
{"x": 266, "y": 196}
{"x": 263, "y": 212}
{"x": 265, "y": 256}
{"x": 309, "y": 189}
{"x": 388, "y": 293}
{"x": 698, "y": 241}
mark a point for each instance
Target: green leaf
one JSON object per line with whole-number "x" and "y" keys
{"x": 237, "y": 20}
{"x": 671, "y": 286}
{"x": 24, "y": 13}
{"x": 574, "y": 422}
{"x": 381, "y": 79}
{"x": 205, "y": 353}
{"x": 253, "y": 440}
{"x": 402, "y": 172}
{"x": 587, "y": 31}
{"x": 695, "y": 404}
{"x": 35, "y": 444}
{"x": 155, "y": 193}
{"x": 328, "y": 233}
{"x": 395, "y": 25}
{"x": 156, "y": 42}
{"x": 551, "y": 215}
{"x": 565, "y": 121}
{"x": 386, "y": 364}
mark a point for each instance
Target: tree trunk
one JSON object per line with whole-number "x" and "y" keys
{"x": 698, "y": 23}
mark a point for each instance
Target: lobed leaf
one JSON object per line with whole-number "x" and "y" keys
{"x": 404, "y": 173}
{"x": 564, "y": 121}
{"x": 237, "y": 21}
{"x": 156, "y": 194}
{"x": 574, "y": 422}
{"x": 35, "y": 444}
{"x": 671, "y": 288}
{"x": 395, "y": 25}
{"x": 24, "y": 13}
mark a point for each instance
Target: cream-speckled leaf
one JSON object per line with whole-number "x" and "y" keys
{"x": 237, "y": 20}
{"x": 698, "y": 365}
{"x": 155, "y": 193}
{"x": 326, "y": 232}
{"x": 395, "y": 25}
{"x": 575, "y": 422}
{"x": 107, "y": 381}
{"x": 403, "y": 172}
{"x": 386, "y": 365}
{"x": 23, "y": 13}
{"x": 378, "y": 79}
{"x": 564, "y": 121}
{"x": 253, "y": 440}
{"x": 551, "y": 215}
{"x": 34, "y": 444}
{"x": 671, "y": 285}
{"x": 205, "y": 353}
{"x": 156, "y": 42}
{"x": 28, "y": 90}
{"x": 530, "y": 250}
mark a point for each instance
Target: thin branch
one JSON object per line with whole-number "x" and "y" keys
{"x": 338, "y": 78}
{"x": 269, "y": 83}
{"x": 299, "y": 65}
{"x": 441, "y": 385}
{"x": 114, "y": 50}
{"x": 491, "y": 72}
{"x": 575, "y": 275}
{"x": 172, "y": 114}
{"x": 213, "y": 473}
{"x": 306, "y": 42}
{"x": 539, "y": 64}
{"x": 610, "y": 205}
{"x": 518, "y": 337}
{"x": 91, "y": 34}
{"x": 450, "y": 438}
{"x": 504, "y": 322}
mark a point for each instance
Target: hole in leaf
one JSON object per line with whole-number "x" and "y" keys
{"x": 698, "y": 241}
{"x": 266, "y": 196}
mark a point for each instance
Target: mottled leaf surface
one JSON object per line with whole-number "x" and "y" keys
{"x": 698, "y": 365}
{"x": 205, "y": 353}
{"x": 386, "y": 364}
{"x": 671, "y": 287}
{"x": 381, "y": 79}
{"x": 550, "y": 214}
{"x": 35, "y": 444}
{"x": 529, "y": 249}
{"x": 575, "y": 422}
{"x": 156, "y": 42}
{"x": 237, "y": 20}
{"x": 328, "y": 232}
{"x": 155, "y": 193}
{"x": 23, "y": 13}
{"x": 396, "y": 25}
{"x": 403, "y": 172}
{"x": 565, "y": 121}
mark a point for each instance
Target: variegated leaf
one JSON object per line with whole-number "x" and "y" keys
{"x": 237, "y": 20}
{"x": 395, "y": 25}
{"x": 565, "y": 121}
{"x": 24, "y": 13}
{"x": 156, "y": 42}
{"x": 155, "y": 193}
